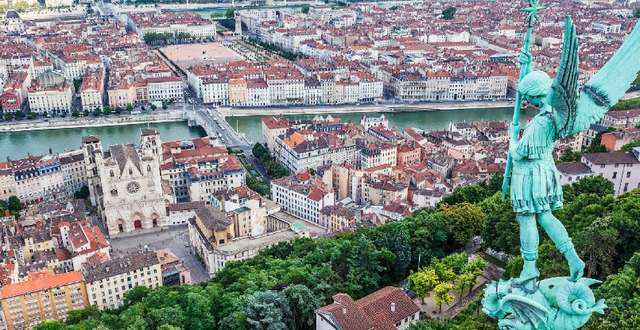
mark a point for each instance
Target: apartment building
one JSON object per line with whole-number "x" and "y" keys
{"x": 37, "y": 178}
{"x": 27, "y": 304}
{"x": 15, "y": 91}
{"x": 336, "y": 218}
{"x": 621, "y": 168}
{"x": 7, "y": 182}
{"x": 107, "y": 282}
{"x": 73, "y": 169}
{"x": 165, "y": 89}
{"x": 51, "y": 93}
{"x": 378, "y": 154}
{"x": 302, "y": 196}
{"x": 297, "y": 153}
{"x": 92, "y": 91}
{"x": 272, "y": 128}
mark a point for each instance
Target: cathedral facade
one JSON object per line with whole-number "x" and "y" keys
{"x": 125, "y": 183}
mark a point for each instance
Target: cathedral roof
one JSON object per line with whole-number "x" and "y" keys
{"x": 122, "y": 153}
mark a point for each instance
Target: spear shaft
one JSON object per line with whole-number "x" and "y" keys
{"x": 524, "y": 69}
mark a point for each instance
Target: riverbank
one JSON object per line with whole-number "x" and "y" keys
{"x": 368, "y": 108}
{"x": 70, "y": 122}
{"x": 202, "y": 6}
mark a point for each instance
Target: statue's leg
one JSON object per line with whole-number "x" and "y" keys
{"x": 528, "y": 247}
{"x": 560, "y": 237}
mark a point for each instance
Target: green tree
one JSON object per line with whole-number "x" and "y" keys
{"x": 636, "y": 12}
{"x": 302, "y": 303}
{"x": 153, "y": 107}
{"x": 19, "y": 115}
{"x": 50, "y": 325}
{"x": 8, "y": 116}
{"x": 164, "y": 106}
{"x": 231, "y": 13}
{"x": 500, "y": 230}
{"x": 135, "y": 295}
{"x": 422, "y": 282}
{"x": 305, "y": 9}
{"x": 107, "y": 110}
{"x": 79, "y": 315}
{"x": 97, "y": 112}
{"x": 597, "y": 247}
{"x": 364, "y": 265}
{"x": 14, "y": 204}
{"x": 269, "y": 310}
{"x": 570, "y": 156}
{"x": 129, "y": 107}
{"x": 464, "y": 220}
{"x": 85, "y": 113}
{"x": 449, "y": 12}
{"x": 629, "y": 146}
{"x": 75, "y": 114}
{"x": 597, "y": 185}
{"x": 442, "y": 295}
{"x": 31, "y": 115}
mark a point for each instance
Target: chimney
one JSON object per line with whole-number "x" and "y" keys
{"x": 344, "y": 310}
{"x": 393, "y": 307}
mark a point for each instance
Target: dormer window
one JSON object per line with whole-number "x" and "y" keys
{"x": 111, "y": 174}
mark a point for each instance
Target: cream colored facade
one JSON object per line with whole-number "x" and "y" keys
{"x": 52, "y": 100}
{"x": 108, "y": 282}
{"x": 127, "y": 184}
{"x": 120, "y": 96}
{"x": 7, "y": 184}
{"x": 382, "y": 155}
{"x": 237, "y": 92}
{"x": 27, "y": 304}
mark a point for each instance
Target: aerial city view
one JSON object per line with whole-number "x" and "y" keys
{"x": 325, "y": 165}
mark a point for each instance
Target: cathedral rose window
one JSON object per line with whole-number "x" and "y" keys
{"x": 133, "y": 187}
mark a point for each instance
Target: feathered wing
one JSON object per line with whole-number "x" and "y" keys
{"x": 610, "y": 84}
{"x": 563, "y": 96}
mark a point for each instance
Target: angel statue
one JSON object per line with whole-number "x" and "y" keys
{"x": 564, "y": 303}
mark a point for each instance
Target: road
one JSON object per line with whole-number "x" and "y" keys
{"x": 173, "y": 238}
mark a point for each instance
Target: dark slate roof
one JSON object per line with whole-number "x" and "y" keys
{"x": 149, "y": 131}
{"x": 213, "y": 218}
{"x": 120, "y": 265}
{"x": 573, "y": 168}
{"x": 611, "y": 158}
{"x": 123, "y": 152}
{"x": 11, "y": 14}
{"x": 91, "y": 138}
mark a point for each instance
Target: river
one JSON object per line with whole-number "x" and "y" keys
{"x": 18, "y": 144}
{"x": 429, "y": 121}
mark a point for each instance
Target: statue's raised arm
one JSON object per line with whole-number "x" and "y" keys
{"x": 575, "y": 114}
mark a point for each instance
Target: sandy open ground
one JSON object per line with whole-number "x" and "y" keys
{"x": 199, "y": 54}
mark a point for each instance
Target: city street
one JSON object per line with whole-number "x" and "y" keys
{"x": 173, "y": 238}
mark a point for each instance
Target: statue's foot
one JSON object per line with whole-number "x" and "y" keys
{"x": 576, "y": 267}
{"x": 529, "y": 272}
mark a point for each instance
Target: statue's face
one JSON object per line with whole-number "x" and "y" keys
{"x": 535, "y": 100}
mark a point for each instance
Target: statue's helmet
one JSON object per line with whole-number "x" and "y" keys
{"x": 536, "y": 83}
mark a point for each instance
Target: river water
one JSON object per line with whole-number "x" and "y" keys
{"x": 18, "y": 144}
{"x": 429, "y": 121}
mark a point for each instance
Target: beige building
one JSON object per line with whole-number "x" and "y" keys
{"x": 121, "y": 94}
{"x": 7, "y": 183}
{"x": 109, "y": 281}
{"x": 125, "y": 183}
{"x": 382, "y": 193}
{"x": 73, "y": 169}
{"x": 27, "y": 304}
{"x": 238, "y": 92}
{"x": 375, "y": 155}
{"x": 92, "y": 91}
{"x": 50, "y": 93}
{"x": 272, "y": 128}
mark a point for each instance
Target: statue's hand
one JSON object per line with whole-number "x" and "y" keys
{"x": 514, "y": 131}
{"x": 525, "y": 58}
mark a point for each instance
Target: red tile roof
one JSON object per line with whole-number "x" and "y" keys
{"x": 41, "y": 283}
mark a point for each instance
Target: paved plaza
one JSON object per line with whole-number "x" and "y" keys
{"x": 189, "y": 55}
{"x": 173, "y": 238}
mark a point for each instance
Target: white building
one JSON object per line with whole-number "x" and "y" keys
{"x": 165, "y": 89}
{"x": 621, "y": 168}
{"x": 50, "y": 93}
{"x": 301, "y": 196}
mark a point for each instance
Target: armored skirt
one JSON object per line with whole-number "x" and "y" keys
{"x": 535, "y": 181}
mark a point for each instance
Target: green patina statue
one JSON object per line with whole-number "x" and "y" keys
{"x": 558, "y": 303}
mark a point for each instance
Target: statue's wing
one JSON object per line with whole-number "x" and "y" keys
{"x": 608, "y": 86}
{"x": 525, "y": 310}
{"x": 563, "y": 96}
